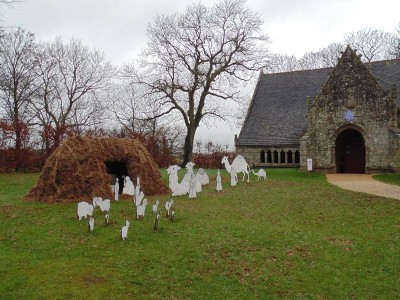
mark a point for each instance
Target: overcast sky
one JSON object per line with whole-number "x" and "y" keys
{"x": 118, "y": 27}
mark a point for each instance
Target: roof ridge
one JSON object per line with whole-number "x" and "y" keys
{"x": 326, "y": 68}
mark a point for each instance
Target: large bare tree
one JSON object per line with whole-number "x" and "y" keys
{"x": 72, "y": 80}
{"x": 194, "y": 60}
{"x": 17, "y": 83}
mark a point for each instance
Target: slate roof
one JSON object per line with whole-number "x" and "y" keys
{"x": 278, "y": 109}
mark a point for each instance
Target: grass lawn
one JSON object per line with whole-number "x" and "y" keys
{"x": 388, "y": 178}
{"x": 295, "y": 236}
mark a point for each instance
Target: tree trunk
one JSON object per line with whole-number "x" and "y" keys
{"x": 188, "y": 147}
{"x": 18, "y": 146}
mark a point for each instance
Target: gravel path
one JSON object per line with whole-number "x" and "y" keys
{"x": 364, "y": 183}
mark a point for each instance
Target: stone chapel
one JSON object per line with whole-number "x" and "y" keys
{"x": 346, "y": 118}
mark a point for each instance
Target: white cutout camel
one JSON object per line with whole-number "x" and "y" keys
{"x": 261, "y": 174}
{"x": 239, "y": 164}
{"x": 176, "y": 187}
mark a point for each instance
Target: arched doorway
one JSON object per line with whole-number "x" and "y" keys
{"x": 350, "y": 152}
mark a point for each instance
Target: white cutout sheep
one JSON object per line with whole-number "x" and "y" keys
{"x": 261, "y": 174}
{"x": 84, "y": 210}
{"x": 154, "y": 207}
{"x": 240, "y": 165}
{"x": 105, "y": 205}
{"x": 141, "y": 209}
{"x": 97, "y": 201}
{"x": 124, "y": 231}
{"x": 168, "y": 206}
{"x": 91, "y": 224}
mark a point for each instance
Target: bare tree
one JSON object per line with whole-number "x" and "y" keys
{"x": 394, "y": 44}
{"x": 324, "y": 58}
{"x": 372, "y": 44}
{"x": 135, "y": 110}
{"x": 195, "y": 59}
{"x": 17, "y": 83}
{"x": 282, "y": 63}
{"x": 73, "y": 79}
{"x": 331, "y": 54}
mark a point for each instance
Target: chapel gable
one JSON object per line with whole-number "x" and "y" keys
{"x": 352, "y": 85}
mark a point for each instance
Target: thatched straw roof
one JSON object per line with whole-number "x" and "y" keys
{"x": 76, "y": 171}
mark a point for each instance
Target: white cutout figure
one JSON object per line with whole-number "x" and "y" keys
{"x": 202, "y": 177}
{"x": 260, "y": 174}
{"x": 240, "y": 165}
{"x": 176, "y": 187}
{"x": 139, "y": 199}
{"x": 172, "y": 171}
{"x": 84, "y": 209}
{"x": 91, "y": 224}
{"x": 193, "y": 185}
{"x": 137, "y": 188}
{"x": 141, "y": 209}
{"x": 124, "y": 231}
{"x": 105, "y": 205}
{"x": 139, "y": 196}
{"x": 234, "y": 179}
{"x": 116, "y": 189}
{"x": 188, "y": 176}
{"x": 129, "y": 188}
{"x": 219, "y": 181}
{"x": 168, "y": 206}
{"x": 154, "y": 208}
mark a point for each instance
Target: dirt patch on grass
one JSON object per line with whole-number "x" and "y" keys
{"x": 91, "y": 280}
